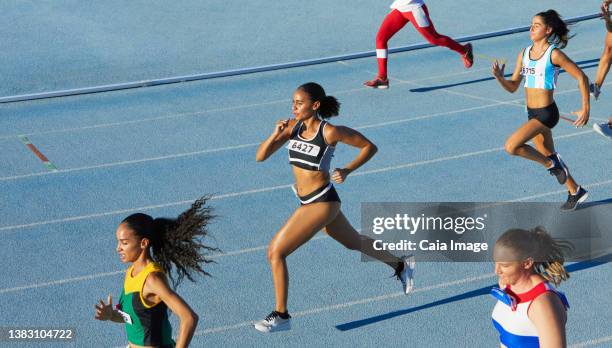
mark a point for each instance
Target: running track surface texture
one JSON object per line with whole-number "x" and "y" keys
{"x": 440, "y": 130}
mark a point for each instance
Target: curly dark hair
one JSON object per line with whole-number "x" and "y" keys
{"x": 177, "y": 241}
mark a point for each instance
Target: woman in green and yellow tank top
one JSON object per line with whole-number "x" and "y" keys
{"x": 153, "y": 246}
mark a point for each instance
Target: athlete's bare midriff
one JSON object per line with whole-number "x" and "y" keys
{"x": 307, "y": 181}
{"x": 538, "y": 98}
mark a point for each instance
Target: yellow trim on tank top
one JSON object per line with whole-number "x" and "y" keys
{"x": 135, "y": 284}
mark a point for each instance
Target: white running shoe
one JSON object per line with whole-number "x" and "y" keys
{"x": 273, "y": 323}
{"x": 603, "y": 129}
{"x": 406, "y": 275}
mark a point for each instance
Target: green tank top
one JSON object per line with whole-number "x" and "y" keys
{"x": 146, "y": 325}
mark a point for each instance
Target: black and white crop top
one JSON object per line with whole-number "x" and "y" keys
{"x": 310, "y": 154}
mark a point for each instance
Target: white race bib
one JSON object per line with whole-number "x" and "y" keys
{"x": 528, "y": 71}
{"x": 126, "y": 317}
{"x": 303, "y": 147}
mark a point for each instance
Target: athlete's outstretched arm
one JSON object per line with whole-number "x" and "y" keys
{"x": 346, "y": 135}
{"x": 157, "y": 284}
{"x": 560, "y": 59}
{"x": 514, "y": 82}
{"x": 548, "y": 315}
{"x": 281, "y": 133}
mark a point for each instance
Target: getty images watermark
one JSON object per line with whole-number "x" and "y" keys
{"x": 468, "y": 231}
{"x": 413, "y": 224}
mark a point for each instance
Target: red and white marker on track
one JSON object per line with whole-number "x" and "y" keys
{"x": 38, "y": 154}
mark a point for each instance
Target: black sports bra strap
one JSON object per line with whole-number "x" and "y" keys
{"x": 296, "y": 129}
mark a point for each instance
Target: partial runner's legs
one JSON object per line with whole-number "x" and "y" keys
{"x": 342, "y": 231}
{"x": 544, "y": 153}
{"x": 305, "y": 222}
{"x": 422, "y": 23}
{"x": 419, "y": 17}
{"x": 392, "y": 23}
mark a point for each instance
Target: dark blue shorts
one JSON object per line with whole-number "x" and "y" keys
{"x": 549, "y": 115}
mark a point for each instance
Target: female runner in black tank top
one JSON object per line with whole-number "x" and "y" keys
{"x": 319, "y": 209}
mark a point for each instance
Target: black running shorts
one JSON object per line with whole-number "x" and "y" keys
{"x": 548, "y": 116}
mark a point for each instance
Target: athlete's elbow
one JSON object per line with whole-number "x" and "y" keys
{"x": 374, "y": 149}
{"x": 191, "y": 320}
{"x": 260, "y": 156}
{"x": 370, "y": 150}
{"x": 195, "y": 319}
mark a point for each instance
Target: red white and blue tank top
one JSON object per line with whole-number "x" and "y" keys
{"x": 510, "y": 317}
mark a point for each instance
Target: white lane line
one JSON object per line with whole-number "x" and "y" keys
{"x": 592, "y": 342}
{"x": 217, "y": 110}
{"x": 114, "y": 273}
{"x": 259, "y": 248}
{"x": 515, "y": 102}
{"x": 149, "y": 119}
{"x": 596, "y": 184}
{"x": 60, "y": 282}
{"x": 242, "y": 146}
{"x": 148, "y": 207}
{"x": 263, "y": 247}
{"x": 353, "y": 303}
{"x": 264, "y": 189}
{"x": 122, "y": 163}
{"x": 450, "y": 158}
{"x": 235, "y": 147}
{"x": 246, "y": 106}
{"x": 427, "y": 116}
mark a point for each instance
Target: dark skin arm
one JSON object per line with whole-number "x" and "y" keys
{"x": 280, "y": 135}
{"x": 156, "y": 287}
{"x": 346, "y": 135}
{"x": 105, "y": 311}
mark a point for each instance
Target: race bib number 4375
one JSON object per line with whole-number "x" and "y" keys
{"x": 302, "y": 147}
